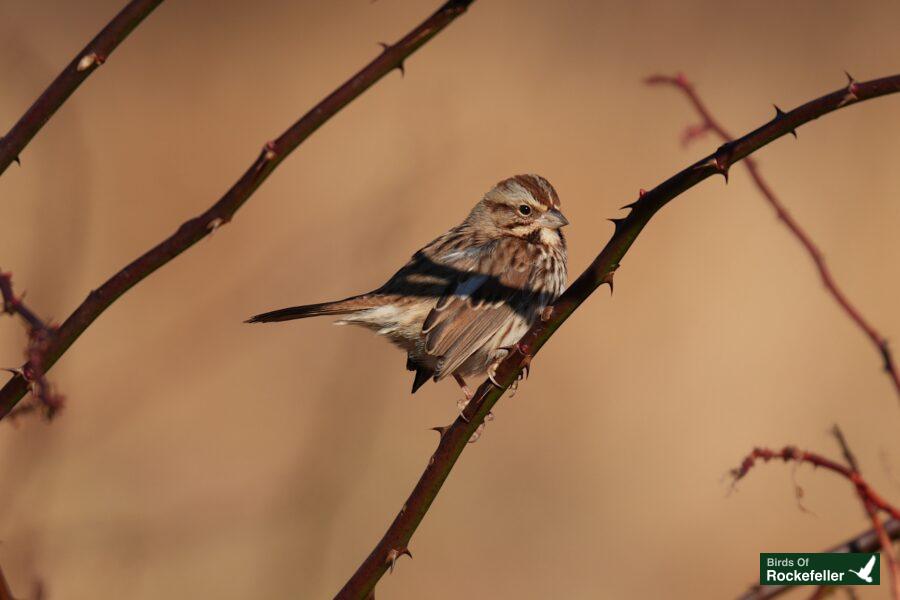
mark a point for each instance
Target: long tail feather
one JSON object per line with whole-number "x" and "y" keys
{"x": 340, "y": 307}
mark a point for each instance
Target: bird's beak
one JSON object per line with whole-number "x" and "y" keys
{"x": 553, "y": 219}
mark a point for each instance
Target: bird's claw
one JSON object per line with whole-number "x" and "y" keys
{"x": 461, "y": 407}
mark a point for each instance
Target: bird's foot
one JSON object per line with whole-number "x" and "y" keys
{"x": 461, "y": 405}
{"x": 480, "y": 430}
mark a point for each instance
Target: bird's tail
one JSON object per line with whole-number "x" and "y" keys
{"x": 338, "y": 307}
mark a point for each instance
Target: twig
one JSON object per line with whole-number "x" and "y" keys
{"x": 708, "y": 123}
{"x": 221, "y": 212}
{"x": 85, "y": 62}
{"x": 792, "y": 453}
{"x": 881, "y": 534}
{"x": 870, "y": 499}
{"x": 40, "y": 335}
{"x": 455, "y": 436}
{"x": 887, "y": 549}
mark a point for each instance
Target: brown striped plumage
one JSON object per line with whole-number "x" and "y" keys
{"x": 471, "y": 293}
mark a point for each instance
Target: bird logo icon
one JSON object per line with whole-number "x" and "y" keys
{"x": 866, "y": 572}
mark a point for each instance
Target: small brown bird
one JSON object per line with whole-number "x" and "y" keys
{"x": 467, "y": 297}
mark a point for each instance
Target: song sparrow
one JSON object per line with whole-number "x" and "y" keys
{"x": 464, "y": 299}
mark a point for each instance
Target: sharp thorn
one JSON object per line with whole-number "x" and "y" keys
{"x": 402, "y": 69}
{"x": 393, "y": 555}
{"x": 441, "y": 430}
{"x": 608, "y": 279}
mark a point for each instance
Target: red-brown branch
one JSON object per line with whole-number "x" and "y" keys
{"x": 85, "y": 62}
{"x": 887, "y": 548}
{"x": 792, "y": 453}
{"x": 872, "y": 502}
{"x": 455, "y": 436}
{"x": 708, "y": 123}
{"x": 40, "y": 335}
{"x": 220, "y": 213}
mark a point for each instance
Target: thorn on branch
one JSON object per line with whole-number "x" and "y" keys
{"x": 441, "y": 430}
{"x": 617, "y": 222}
{"x": 780, "y": 114}
{"x": 722, "y": 159}
{"x": 852, "y": 89}
{"x": 394, "y": 554}
{"x": 608, "y": 279}
{"x": 400, "y": 66}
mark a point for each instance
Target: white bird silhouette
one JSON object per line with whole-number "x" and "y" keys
{"x": 865, "y": 572}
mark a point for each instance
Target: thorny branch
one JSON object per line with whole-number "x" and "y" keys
{"x": 220, "y": 213}
{"x": 85, "y": 62}
{"x": 881, "y": 534}
{"x": 455, "y": 436}
{"x": 709, "y": 124}
{"x": 40, "y": 336}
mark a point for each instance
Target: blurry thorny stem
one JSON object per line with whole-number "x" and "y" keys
{"x": 454, "y": 437}
{"x": 708, "y": 123}
{"x": 40, "y": 335}
{"x": 85, "y": 62}
{"x": 881, "y": 535}
{"x": 191, "y": 232}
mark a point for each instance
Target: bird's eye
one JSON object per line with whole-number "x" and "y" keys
{"x": 524, "y": 210}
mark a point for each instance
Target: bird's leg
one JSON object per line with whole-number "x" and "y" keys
{"x": 462, "y": 384}
{"x": 523, "y": 374}
{"x": 462, "y": 404}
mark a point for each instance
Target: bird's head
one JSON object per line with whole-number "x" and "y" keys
{"x": 524, "y": 206}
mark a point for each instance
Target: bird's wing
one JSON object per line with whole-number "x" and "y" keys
{"x": 479, "y": 305}
{"x": 868, "y": 568}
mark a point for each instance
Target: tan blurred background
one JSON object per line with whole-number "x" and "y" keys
{"x": 199, "y": 457}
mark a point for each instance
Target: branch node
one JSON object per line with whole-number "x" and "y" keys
{"x": 89, "y": 60}
{"x": 214, "y": 224}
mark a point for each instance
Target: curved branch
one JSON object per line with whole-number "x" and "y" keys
{"x": 455, "y": 436}
{"x": 880, "y": 536}
{"x": 85, "y": 62}
{"x": 221, "y": 212}
{"x": 709, "y": 123}
{"x": 40, "y": 335}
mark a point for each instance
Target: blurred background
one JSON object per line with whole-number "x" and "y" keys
{"x": 199, "y": 457}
